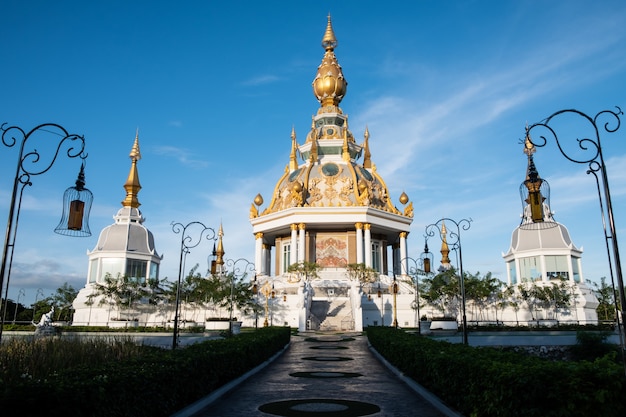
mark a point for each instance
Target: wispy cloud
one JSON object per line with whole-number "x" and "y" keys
{"x": 183, "y": 156}
{"x": 261, "y": 80}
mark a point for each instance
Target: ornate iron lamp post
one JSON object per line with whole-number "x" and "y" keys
{"x": 239, "y": 268}
{"x": 29, "y": 164}
{"x": 419, "y": 266}
{"x": 186, "y": 244}
{"x": 268, "y": 291}
{"x": 394, "y": 289}
{"x": 590, "y": 153}
{"x": 455, "y": 241}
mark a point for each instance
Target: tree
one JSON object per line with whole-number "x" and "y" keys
{"x": 362, "y": 273}
{"x": 121, "y": 292}
{"x": 442, "y": 292}
{"x": 62, "y": 301}
{"x": 606, "y": 299}
{"x": 307, "y": 269}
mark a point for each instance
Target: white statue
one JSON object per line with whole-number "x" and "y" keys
{"x": 46, "y": 319}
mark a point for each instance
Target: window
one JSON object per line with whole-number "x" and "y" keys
{"x": 93, "y": 271}
{"x": 112, "y": 266}
{"x": 576, "y": 269}
{"x": 376, "y": 256}
{"x": 512, "y": 272}
{"x": 286, "y": 257}
{"x": 529, "y": 269}
{"x": 154, "y": 271}
{"x": 136, "y": 270}
{"x": 556, "y": 267}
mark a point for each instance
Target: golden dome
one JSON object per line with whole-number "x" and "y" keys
{"x": 329, "y": 85}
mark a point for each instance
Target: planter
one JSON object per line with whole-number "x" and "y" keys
{"x": 217, "y": 325}
{"x": 123, "y": 324}
{"x": 444, "y": 325}
{"x": 236, "y": 327}
{"x": 425, "y": 327}
{"x": 543, "y": 323}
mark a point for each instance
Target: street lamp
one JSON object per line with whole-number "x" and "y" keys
{"x": 239, "y": 268}
{"x": 255, "y": 293}
{"x": 29, "y": 165}
{"x": 590, "y": 153}
{"x": 394, "y": 289}
{"x": 419, "y": 266}
{"x": 37, "y": 294}
{"x": 21, "y": 294}
{"x": 268, "y": 291}
{"x": 186, "y": 243}
{"x": 455, "y": 240}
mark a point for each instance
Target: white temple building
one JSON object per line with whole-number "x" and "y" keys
{"x": 331, "y": 207}
{"x": 125, "y": 248}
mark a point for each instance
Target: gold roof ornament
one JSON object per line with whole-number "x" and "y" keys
{"x": 367, "y": 155}
{"x": 329, "y": 85}
{"x": 132, "y": 185}
{"x": 404, "y": 198}
{"x": 445, "y": 250}
{"x": 293, "y": 160}
{"x": 220, "y": 247}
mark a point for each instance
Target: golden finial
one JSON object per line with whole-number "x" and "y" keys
{"x": 345, "y": 150}
{"x": 404, "y": 198}
{"x": 220, "y": 247}
{"x": 258, "y": 200}
{"x": 445, "y": 260}
{"x": 313, "y": 157}
{"x": 132, "y": 185}
{"x": 529, "y": 146}
{"x": 329, "y": 42}
{"x": 329, "y": 85}
{"x": 367, "y": 155}
{"x": 293, "y": 161}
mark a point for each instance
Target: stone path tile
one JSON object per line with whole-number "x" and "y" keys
{"x": 323, "y": 375}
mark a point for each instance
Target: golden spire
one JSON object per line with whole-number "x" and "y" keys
{"x": 293, "y": 161}
{"x": 220, "y": 249}
{"x": 132, "y": 185}
{"x": 313, "y": 136}
{"x": 345, "y": 150}
{"x": 329, "y": 41}
{"x": 367, "y": 155}
{"x": 329, "y": 85}
{"x": 445, "y": 260}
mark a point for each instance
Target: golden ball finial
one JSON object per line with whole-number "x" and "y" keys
{"x": 258, "y": 200}
{"x": 329, "y": 85}
{"x": 404, "y": 198}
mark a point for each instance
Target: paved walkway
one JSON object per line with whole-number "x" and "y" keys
{"x": 322, "y": 375}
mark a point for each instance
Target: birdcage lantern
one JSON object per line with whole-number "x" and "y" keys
{"x": 77, "y": 202}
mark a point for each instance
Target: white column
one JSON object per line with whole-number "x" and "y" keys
{"x": 267, "y": 259}
{"x": 294, "y": 244}
{"x": 301, "y": 257}
{"x": 368, "y": 245}
{"x": 359, "y": 243}
{"x": 403, "y": 254}
{"x": 258, "y": 253}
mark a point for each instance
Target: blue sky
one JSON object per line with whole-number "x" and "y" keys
{"x": 445, "y": 88}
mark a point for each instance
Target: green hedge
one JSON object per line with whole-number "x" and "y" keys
{"x": 160, "y": 383}
{"x": 487, "y": 382}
